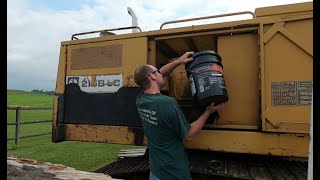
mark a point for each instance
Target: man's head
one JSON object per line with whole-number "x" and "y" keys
{"x": 146, "y": 75}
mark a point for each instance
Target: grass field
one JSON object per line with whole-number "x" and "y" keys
{"x": 85, "y": 156}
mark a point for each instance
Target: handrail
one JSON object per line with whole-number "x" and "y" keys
{"x": 115, "y": 29}
{"x": 208, "y": 17}
{"x": 11, "y": 107}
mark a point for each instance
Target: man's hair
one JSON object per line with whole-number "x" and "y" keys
{"x": 141, "y": 76}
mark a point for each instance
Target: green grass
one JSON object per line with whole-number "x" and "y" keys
{"x": 23, "y": 98}
{"x": 87, "y": 156}
{"x": 30, "y": 115}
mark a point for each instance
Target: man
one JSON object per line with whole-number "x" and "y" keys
{"x": 164, "y": 124}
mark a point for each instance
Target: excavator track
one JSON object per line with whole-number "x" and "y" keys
{"x": 207, "y": 165}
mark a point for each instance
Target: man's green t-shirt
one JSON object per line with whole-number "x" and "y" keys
{"x": 165, "y": 127}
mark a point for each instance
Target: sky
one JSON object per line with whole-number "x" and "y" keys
{"x": 36, "y": 28}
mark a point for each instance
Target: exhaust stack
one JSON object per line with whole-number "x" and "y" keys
{"x": 134, "y": 19}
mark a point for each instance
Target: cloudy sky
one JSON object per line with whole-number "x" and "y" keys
{"x": 37, "y": 27}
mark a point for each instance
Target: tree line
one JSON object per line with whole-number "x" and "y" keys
{"x": 43, "y": 92}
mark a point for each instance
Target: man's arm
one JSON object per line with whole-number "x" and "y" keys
{"x": 168, "y": 68}
{"x": 197, "y": 125}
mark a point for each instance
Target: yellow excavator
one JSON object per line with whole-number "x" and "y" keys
{"x": 261, "y": 133}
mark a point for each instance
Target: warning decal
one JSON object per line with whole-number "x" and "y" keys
{"x": 293, "y": 93}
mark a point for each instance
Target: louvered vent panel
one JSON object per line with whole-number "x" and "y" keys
{"x": 97, "y": 57}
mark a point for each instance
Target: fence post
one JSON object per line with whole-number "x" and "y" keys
{"x": 17, "y": 135}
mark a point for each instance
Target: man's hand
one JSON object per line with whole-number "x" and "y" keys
{"x": 198, "y": 124}
{"x": 187, "y": 57}
{"x": 212, "y": 108}
{"x": 168, "y": 68}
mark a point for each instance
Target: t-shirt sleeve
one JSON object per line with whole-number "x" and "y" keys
{"x": 179, "y": 123}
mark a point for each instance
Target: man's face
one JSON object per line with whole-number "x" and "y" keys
{"x": 158, "y": 76}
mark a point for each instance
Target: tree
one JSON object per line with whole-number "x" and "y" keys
{"x": 43, "y": 92}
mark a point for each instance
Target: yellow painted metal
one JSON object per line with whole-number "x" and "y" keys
{"x": 226, "y": 141}
{"x": 179, "y": 84}
{"x": 160, "y": 55}
{"x": 262, "y": 71}
{"x": 100, "y": 133}
{"x": 152, "y": 51}
{"x": 131, "y": 59}
{"x": 208, "y": 17}
{"x": 251, "y": 142}
{"x": 299, "y": 9}
{"x": 169, "y": 31}
{"x": 179, "y": 45}
{"x": 61, "y": 70}
{"x": 218, "y": 126}
{"x": 285, "y": 10}
{"x": 166, "y": 84}
{"x": 211, "y": 32}
{"x": 105, "y": 38}
{"x": 203, "y": 28}
{"x": 240, "y": 61}
{"x": 287, "y": 57}
{"x": 303, "y": 43}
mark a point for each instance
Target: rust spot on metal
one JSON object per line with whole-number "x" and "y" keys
{"x": 94, "y": 80}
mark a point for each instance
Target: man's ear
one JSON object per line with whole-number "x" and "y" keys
{"x": 153, "y": 76}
